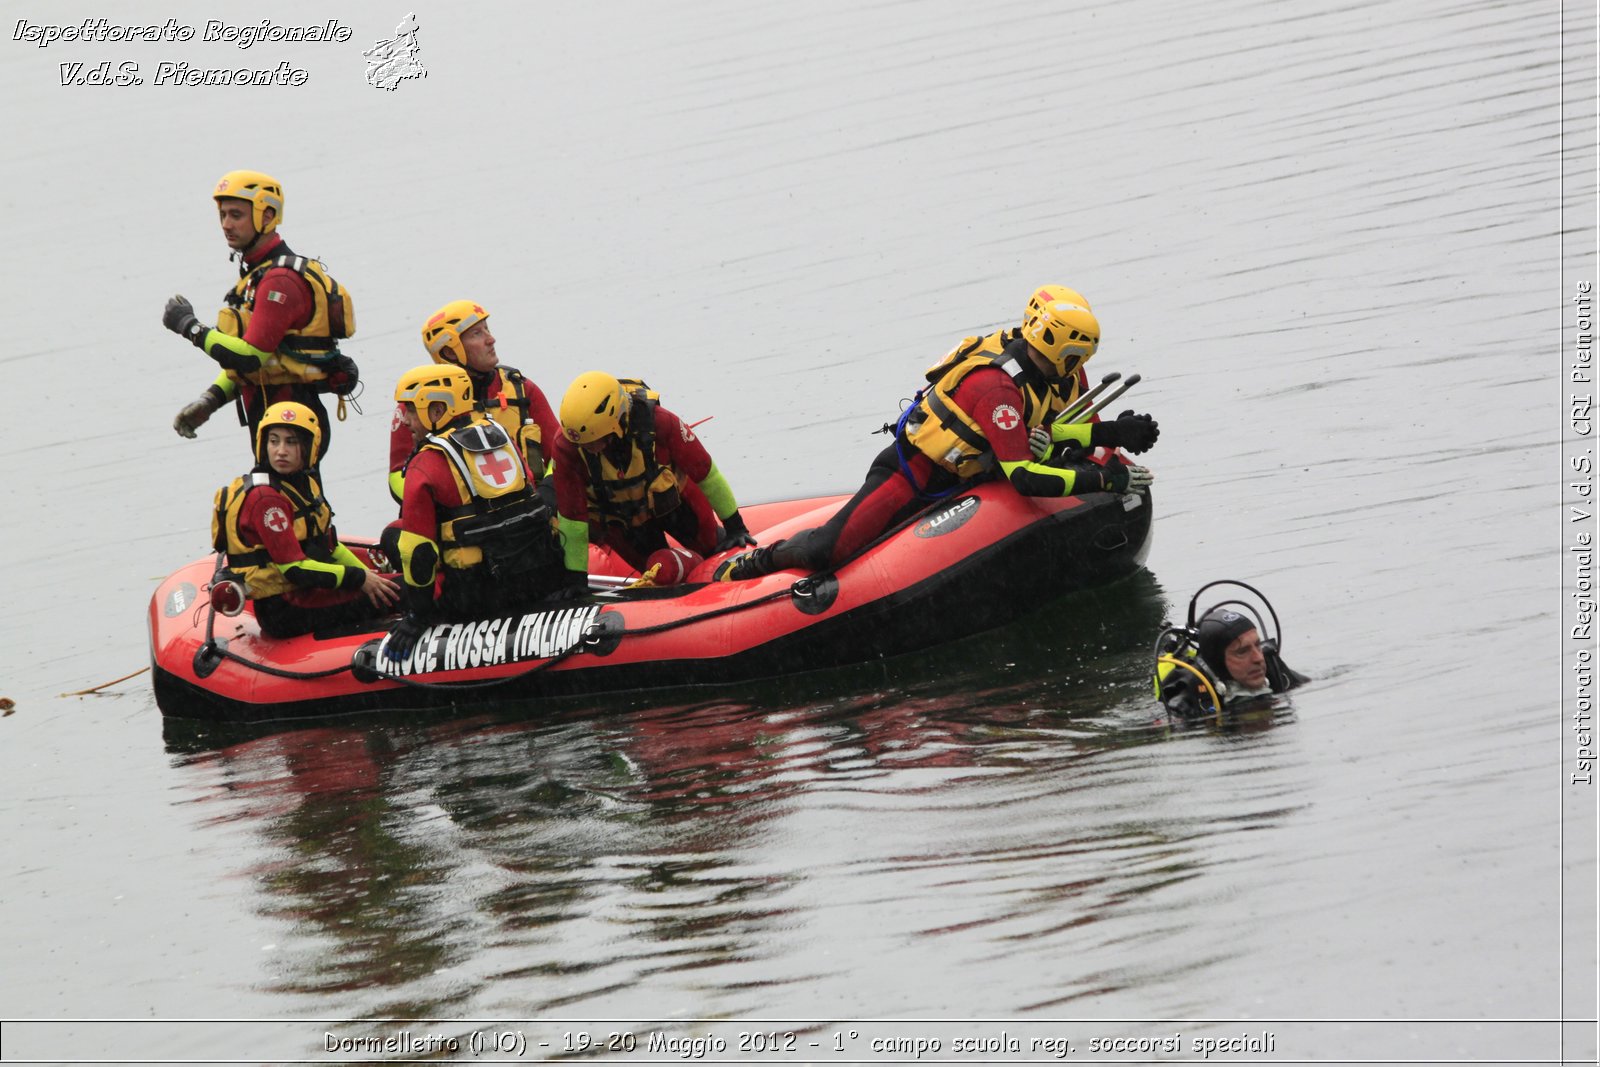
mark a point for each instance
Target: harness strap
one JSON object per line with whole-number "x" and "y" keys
{"x": 641, "y": 433}
{"x": 954, "y": 424}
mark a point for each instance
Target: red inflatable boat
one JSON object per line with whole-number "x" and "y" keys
{"x": 968, "y": 563}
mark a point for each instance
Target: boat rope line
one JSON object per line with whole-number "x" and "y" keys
{"x": 715, "y": 613}
{"x": 486, "y": 683}
{"x": 222, "y": 652}
{"x": 210, "y": 648}
{"x": 592, "y": 636}
{"x": 802, "y": 588}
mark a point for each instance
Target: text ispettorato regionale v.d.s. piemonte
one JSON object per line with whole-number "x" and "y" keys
{"x": 169, "y": 71}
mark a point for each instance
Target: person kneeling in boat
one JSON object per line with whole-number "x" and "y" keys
{"x": 1222, "y": 661}
{"x": 458, "y": 333}
{"x": 471, "y": 521}
{"x": 987, "y": 412}
{"x": 277, "y": 531}
{"x": 628, "y": 472}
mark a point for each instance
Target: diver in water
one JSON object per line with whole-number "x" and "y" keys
{"x": 1222, "y": 659}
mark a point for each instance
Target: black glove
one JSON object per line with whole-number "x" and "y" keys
{"x": 403, "y": 638}
{"x": 1136, "y": 433}
{"x": 179, "y": 318}
{"x": 734, "y": 534}
{"x": 1067, "y": 453}
{"x": 573, "y": 584}
{"x": 342, "y": 375}
{"x": 195, "y": 413}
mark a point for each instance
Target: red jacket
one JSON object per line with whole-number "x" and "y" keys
{"x": 283, "y": 299}
{"x": 267, "y": 518}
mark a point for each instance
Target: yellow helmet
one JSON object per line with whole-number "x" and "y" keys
{"x": 1054, "y": 294}
{"x": 262, "y": 190}
{"x": 1060, "y": 325}
{"x": 421, "y": 387}
{"x": 296, "y": 417}
{"x": 595, "y": 406}
{"x": 441, "y": 334}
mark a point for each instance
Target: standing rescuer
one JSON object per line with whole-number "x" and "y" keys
{"x": 628, "y": 472}
{"x": 973, "y": 420}
{"x": 277, "y": 336}
{"x": 458, "y": 334}
{"x": 276, "y": 528}
{"x": 471, "y": 523}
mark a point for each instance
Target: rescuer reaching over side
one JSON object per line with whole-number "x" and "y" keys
{"x": 973, "y": 421}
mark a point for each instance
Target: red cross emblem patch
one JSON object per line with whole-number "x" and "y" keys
{"x": 276, "y": 520}
{"x": 495, "y": 467}
{"x": 1005, "y": 416}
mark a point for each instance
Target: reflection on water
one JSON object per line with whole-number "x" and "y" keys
{"x": 343, "y": 863}
{"x": 706, "y": 856}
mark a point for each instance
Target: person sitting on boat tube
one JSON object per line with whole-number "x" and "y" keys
{"x": 471, "y": 523}
{"x": 1223, "y": 660}
{"x": 278, "y": 336}
{"x": 276, "y": 528}
{"x": 628, "y": 472}
{"x": 458, "y": 333}
{"x": 987, "y": 412}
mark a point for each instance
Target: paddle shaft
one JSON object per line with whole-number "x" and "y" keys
{"x": 1085, "y": 416}
{"x": 1069, "y": 413}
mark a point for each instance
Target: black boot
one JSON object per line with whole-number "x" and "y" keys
{"x": 756, "y": 563}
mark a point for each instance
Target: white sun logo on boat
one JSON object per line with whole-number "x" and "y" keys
{"x": 1005, "y": 416}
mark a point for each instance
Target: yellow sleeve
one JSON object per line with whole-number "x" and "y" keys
{"x": 1032, "y": 478}
{"x": 1071, "y": 431}
{"x": 575, "y": 543}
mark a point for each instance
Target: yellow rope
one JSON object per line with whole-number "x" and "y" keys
{"x": 103, "y": 685}
{"x": 1210, "y": 690}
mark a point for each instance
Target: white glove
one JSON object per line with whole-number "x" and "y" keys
{"x": 1139, "y": 477}
{"x": 1039, "y": 442}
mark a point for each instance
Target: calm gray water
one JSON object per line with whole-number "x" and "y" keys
{"x": 1331, "y": 239}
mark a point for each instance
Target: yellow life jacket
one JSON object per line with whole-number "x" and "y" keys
{"x": 500, "y": 521}
{"x": 305, "y": 351}
{"x": 950, "y": 436}
{"x": 640, "y": 488}
{"x": 510, "y": 410}
{"x": 250, "y": 559}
